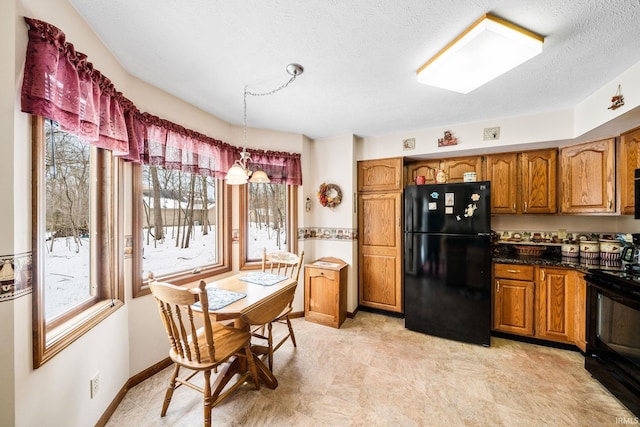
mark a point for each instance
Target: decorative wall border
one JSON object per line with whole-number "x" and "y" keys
{"x": 15, "y": 275}
{"x": 342, "y": 234}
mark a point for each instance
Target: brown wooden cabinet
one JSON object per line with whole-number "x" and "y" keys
{"x": 380, "y": 251}
{"x": 540, "y": 302}
{"x": 380, "y": 175}
{"x": 513, "y": 299}
{"x": 502, "y": 171}
{"x": 426, "y": 168}
{"x": 539, "y": 171}
{"x": 555, "y": 304}
{"x": 455, "y": 168}
{"x": 523, "y": 182}
{"x": 629, "y": 162}
{"x": 588, "y": 177}
{"x": 580, "y": 333}
{"x": 380, "y": 234}
{"x": 325, "y": 290}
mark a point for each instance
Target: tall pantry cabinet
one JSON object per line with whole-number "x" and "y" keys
{"x": 380, "y": 234}
{"x": 629, "y": 162}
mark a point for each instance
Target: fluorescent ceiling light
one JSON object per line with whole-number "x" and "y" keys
{"x": 488, "y": 48}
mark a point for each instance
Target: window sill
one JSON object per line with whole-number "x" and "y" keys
{"x": 62, "y": 336}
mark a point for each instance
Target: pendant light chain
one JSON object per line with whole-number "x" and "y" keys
{"x": 239, "y": 172}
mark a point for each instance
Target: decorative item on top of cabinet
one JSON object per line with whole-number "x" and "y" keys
{"x": 588, "y": 177}
{"x": 448, "y": 139}
{"x": 325, "y": 291}
{"x": 617, "y": 100}
{"x": 629, "y": 162}
{"x": 380, "y": 175}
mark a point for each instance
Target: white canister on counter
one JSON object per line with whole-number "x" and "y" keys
{"x": 570, "y": 250}
{"x": 589, "y": 249}
{"x": 610, "y": 249}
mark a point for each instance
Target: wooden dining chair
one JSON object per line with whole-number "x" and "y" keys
{"x": 266, "y": 314}
{"x": 285, "y": 264}
{"x": 198, "y": 344}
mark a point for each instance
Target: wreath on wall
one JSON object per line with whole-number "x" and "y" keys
{"x": 329, "y": 195}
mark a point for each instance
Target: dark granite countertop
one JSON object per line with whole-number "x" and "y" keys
{"x": 550, "y": 258}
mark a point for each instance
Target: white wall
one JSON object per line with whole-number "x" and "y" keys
{"x": 7, "y": 102}
{"x": 521, "y": 132}
{"x": 132, "y": 339}
{"x": 334, "y": 160}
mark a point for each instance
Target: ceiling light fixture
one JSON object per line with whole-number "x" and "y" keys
{"x": 488, "y": 48}
{"x": 239, "y": 172}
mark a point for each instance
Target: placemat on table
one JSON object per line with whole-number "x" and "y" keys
{"x": 264, "y": 279}
{"x": 219, "y": 298}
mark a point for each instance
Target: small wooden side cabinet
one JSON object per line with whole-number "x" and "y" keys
{"x": 325, "y": 291}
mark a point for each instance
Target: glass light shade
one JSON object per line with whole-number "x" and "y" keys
{"x": 236, "y": 175}
{"x": 259, "y": 177}
{"x": 484, "y": 51}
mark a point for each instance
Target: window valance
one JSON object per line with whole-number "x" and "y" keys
{"x": 62, "y": 85}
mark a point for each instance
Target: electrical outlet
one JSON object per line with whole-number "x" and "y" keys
{"x": 95, "y": 385}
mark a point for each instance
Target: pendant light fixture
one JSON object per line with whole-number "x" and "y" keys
{"x": 239, "y": 173}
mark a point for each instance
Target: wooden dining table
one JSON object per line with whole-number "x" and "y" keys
{"x": 260, "y": 305}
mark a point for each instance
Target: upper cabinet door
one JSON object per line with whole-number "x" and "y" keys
{"x": 380, "y": 175}
{"x": 539, "y": 171}
{"x": 501, "y": 170}
{"x": 426, "y": 168}
{"x": 629, "y": 162}
{"x": 588, "y": 177}
{"x": 456, "y": 168}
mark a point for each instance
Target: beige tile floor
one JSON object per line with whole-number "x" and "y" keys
{"x": 374, "y": 372}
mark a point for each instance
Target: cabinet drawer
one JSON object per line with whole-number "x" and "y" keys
{"x": 321, "y": 272}
{"x": 514, "y": 271}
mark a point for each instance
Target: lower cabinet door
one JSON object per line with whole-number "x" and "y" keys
{"x": 321, "y": 296}
{"x": 513, "y": 306}
{"x": 556, "y": 302}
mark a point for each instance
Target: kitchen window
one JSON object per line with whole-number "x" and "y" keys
{"x": 76, "y": 223}
{"x": 180, "y": 226}
{"x": 268, "y": 218}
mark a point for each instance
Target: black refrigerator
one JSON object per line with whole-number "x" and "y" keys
{"x": 447, "y": 260}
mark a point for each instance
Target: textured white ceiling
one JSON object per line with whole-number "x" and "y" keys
{"x": 360, "y": 57}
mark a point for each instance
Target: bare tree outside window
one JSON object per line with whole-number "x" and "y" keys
{"x": 179, "y": 226}
{"x": 267, "y": 219}
{"x": 68, "y": 200}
